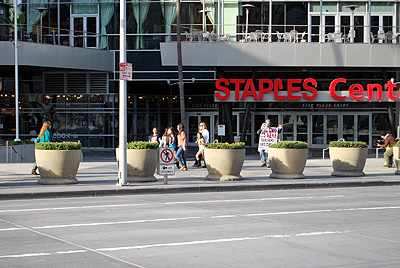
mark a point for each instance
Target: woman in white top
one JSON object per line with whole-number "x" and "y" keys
{"x": 206, "y": 135}
{"x": 204, "y": 131}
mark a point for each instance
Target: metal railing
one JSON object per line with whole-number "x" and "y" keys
{"x": 52, "y": 35}
{"x": 287, "y": 33}
{"x": 8, "y": 145}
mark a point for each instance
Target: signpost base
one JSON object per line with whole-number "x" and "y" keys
{"x": 165, "y": 179}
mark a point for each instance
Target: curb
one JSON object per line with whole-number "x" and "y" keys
{"x": 194, "y": 189}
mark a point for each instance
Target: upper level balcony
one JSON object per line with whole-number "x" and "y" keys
{"x": 286, "y": 45}
{"x": 45, "y": 47}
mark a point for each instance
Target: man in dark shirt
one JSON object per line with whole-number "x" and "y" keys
{"x": 388, "y": 142}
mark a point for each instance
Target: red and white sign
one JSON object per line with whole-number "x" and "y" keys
{"x": 268, "y": 136}
{"x": 249, "y": 90}
{"x": 125, "y": 71}
{"x": 166, "y": 156}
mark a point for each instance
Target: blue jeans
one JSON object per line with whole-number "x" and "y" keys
{"x": 262, "y": 156}
{"x": 181, "y": 156}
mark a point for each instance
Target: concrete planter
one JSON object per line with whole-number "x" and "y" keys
{"x": 287, "y": 163}
{"x": 396, "y": 159}
{"x": 141, "y": 164}
{"x": 224, "y": 164}
{"x": 348, "y": 162}
{"x": 58, "y": 166}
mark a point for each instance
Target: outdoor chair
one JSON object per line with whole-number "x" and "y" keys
{"x": 258, "y": 34}
{"x": 302, "y": 40}
{"x": 382, "y": 37}
{"x": 330, "y": 37}
{"x": 279, "y": 36}
{"x": 373, "y": 37}
{"x": 286, "y": 37}
{"x": 189, "y": 36}
{"x": 293, "y": 36}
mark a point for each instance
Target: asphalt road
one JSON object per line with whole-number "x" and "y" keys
{"x": 343, "y": 227}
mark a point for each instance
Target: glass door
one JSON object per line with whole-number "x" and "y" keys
{"x": 302, "y": 127}
{"x": 192, "y": 126}
{"x": 84, "y": 31}
{"x": 363, "y": 127}
{"x": 348, "y": 127}
{"x": 317, "y": 127}
{"x": 332, "y": 128}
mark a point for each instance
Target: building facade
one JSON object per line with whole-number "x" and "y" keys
{"x": 69, "y": 60}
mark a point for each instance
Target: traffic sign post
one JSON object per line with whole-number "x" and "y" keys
{"x": 166, "y": 163}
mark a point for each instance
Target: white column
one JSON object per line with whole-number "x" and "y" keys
{"x": 16, "y": 73}
{"x": 122, "y": 166}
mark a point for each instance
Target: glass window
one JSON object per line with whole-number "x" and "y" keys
{"x": 258, "y": 121}
{"x": 363, "y": 128}
{"x": 380, "y": 123}
{"x": 348, "y": 127}
{"x": 382, "y": 7}
{"x": 326, "y": 7}
{"x": 317, "y": 129}
{"x": 332, "y": 128}
{"x": 288, "y": 127}
{"x": 302, "y": 128}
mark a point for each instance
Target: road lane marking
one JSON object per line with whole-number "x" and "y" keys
{"x": 112, "y": 223}
{"x": 223, "y": 216}
{"x": 165, "y": 203}
{"x": 177, "y": 244}
{"x": 72, "y": 208}
{"x": 201, "y": 217}
{"x": 288, "y": 212}
{"x": 83, "y": 248}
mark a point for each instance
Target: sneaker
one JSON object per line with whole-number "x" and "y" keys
{"x": 196, "y": 165}
{"x": 268, "y": 165}
{"x": 263, "y": 165}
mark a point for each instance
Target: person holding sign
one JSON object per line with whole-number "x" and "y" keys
{"x": 268, "y": 136}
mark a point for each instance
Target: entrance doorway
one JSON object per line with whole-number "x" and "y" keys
{"x": 84, "y": 30}
{"x": 194, "y": 120}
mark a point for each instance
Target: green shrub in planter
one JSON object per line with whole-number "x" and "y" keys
{"x": 142, "y": 145}
{"x": 64, "y": 146}
{"x": 18, "y": 142}
{"x": 290, "y": 145}
{"x": 348, "y": 144}
{"x": 396, "y": 144}
{"x": 237, "y": 145}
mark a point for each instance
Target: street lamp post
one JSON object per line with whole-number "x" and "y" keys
{"x": 247, "y": 7}
{"x": 41, "y": 10}
{"x": 16, "y": 73}
{"x": 352, "y": 33}
{"x": 123, "y": 105}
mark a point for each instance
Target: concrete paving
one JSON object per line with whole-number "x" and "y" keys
{"x": 98, "y": 176}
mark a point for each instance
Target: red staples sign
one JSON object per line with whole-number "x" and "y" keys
{"x": 249, "y": 90}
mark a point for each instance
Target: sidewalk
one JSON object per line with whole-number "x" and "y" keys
{"x": 98, "y": 176}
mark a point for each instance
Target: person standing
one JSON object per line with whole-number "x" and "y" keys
{"x": 388, "y": 142}
{"x": 266, "y": 127}
{"x": 206, "y": 135}
{"x": 163, "y": 140}
{"x": 45, "y": 135}
{"x": 182, "y": 146}
{"x": 172, "y": 143}
{"x": 201, "y": 143}
{"x": 154, "y": 137}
